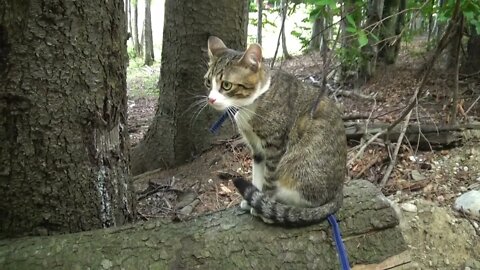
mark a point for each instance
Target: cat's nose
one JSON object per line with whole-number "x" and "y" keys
{"x": 211, "y": 100}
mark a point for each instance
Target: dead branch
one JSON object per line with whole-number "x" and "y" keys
{"x": 393, "y": 160}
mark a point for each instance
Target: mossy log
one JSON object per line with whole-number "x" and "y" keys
{"x": 223, "y": 240}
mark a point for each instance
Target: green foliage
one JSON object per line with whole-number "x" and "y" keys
{"x": 471, "y": 11}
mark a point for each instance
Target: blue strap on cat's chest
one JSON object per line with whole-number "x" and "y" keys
{"x": 337, "y": 236}
{"x": 216, "y": 126}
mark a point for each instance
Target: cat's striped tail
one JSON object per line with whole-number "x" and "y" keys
{"x": 278, "y": 213}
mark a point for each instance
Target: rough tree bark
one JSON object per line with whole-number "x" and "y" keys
{"x": 223, "y": 240}
{"x": 149, "y": 56}
{"x": 176, "y": 134}
{"x": 63, "y": 137}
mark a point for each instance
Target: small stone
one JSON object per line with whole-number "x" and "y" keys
{"x": 447, "y": 261}
{"x": 465, "y": 168}
{"x": 417, "y": 176}
{"x": 463, "y": 189}
{"x": 409, "y": 207}
{"x": 440, "y": 198}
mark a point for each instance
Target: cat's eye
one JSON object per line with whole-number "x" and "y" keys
{"x": 226, "y": 85}
{"x": 208, "y": 83}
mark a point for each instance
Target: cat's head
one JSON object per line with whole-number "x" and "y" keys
{"x": 234, "y": 79}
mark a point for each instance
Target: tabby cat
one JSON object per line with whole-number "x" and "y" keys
{"x": 298, "y": 145}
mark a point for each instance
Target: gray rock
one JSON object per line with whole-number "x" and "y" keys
{"x": 469, "y": 203}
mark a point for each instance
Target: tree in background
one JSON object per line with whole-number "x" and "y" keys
{"x": 259, "y": 21}
{"x": 173, "y": 137}
{"x": 149, "y": 56}
{"x": 64, "y": 149}
{"x": 390, "y": 30}
{"x": 137, "y": 47}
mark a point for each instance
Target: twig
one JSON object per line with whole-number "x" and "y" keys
{"x": 471, "y": 106}
{"x": 279, "y": 37}
{"x": 354, "y": 94}
{"x": 393, "y": 161}
{"x": 364, "y": 146}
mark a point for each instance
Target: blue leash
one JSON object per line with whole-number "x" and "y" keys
{"x": 216, "y": 126}
{"x": 342, "y": 253}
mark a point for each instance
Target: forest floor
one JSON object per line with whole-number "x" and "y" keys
{"x": 425, "y": 183}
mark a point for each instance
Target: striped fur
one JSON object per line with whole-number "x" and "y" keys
{"x": 298, "y": 145}
{"x": 279, "y": 213}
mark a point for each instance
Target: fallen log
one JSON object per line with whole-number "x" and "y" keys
{"x": 223, "y": 240}
{"x": 426, "y": 136}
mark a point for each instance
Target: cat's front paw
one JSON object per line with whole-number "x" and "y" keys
{"x": 245, "y": 206}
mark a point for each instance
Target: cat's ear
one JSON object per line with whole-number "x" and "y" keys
{"x": 215, "y": 45}
{"x": 252, "y": 58}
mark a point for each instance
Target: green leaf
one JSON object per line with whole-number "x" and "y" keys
{"x": 351, "y": 20}
{"x": 362, "y": 39}
{"x": 351, "y": 29}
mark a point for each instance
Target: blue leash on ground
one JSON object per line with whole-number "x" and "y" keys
{"x": 337, "y": 236}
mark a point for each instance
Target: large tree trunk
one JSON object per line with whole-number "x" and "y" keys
{"x": 149, "y": 56}
{"x": 224, "y": 240}
{"x": 136, "y": 40}
{"x": 64, "y": 146}
{"x": 176, "y": 134}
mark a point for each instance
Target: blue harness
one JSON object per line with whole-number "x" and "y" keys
{"x": 342, "y": 252}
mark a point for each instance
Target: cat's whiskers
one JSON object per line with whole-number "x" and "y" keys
{"x": 202, "y": 101}
{"x": 253, "y": 113}
{"x": 231, "y": 115}
{"x": 195, "y": 115}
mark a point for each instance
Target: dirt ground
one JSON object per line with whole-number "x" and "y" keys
{"x": 424, "y": 184}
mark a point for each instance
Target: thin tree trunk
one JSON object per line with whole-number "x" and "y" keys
{"x": 349, "y": 42}
{"x": 388, "y": 31}
{"x": 399, "y": 27}
{"x": 149, "y": 56}
{"x": 226, "y": 240}
{"x": 176, "y": 134}
{"x": 129, "y": 18}
{"x": 430, "y": 26}
{"x": 472, "y": 60}
{"x": 284, "y": 10}
{"x": 370, "y": 51}
{"x": 64, "y": 150}
{"x": 315, "y": 40}
{"x": 136, "y": 40}
{"x": 440, "y": 25}
{"x": 457, "y": 42}
{"x": 259, "y": 21}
